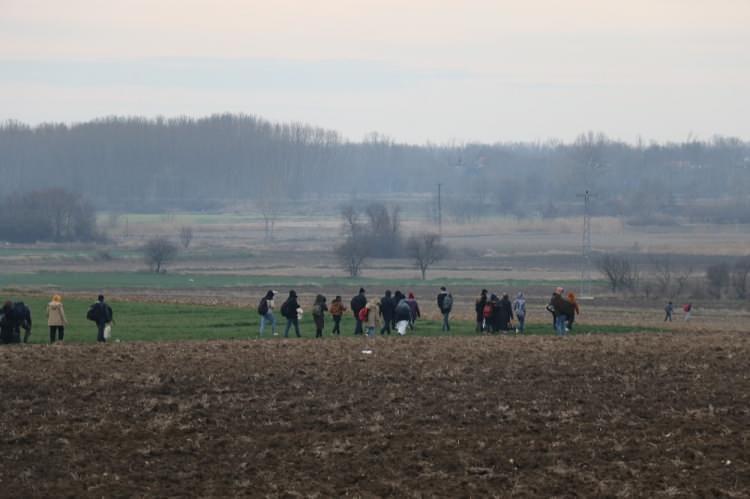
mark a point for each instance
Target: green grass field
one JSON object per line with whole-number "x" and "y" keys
{"x": 140, "y": 321}
{"x": 94, "y": 281}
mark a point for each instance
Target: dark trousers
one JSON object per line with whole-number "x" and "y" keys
{"x": 56, "y": 332}
{"x": 336, "y": 325}
{"x": 386, "y": 325}
{"x": 358, "y": 326}
{"x": 100, "y": 332}
{"x": 289, "y": 323}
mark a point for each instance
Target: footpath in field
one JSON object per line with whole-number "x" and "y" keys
{"x": 603, "y": 415}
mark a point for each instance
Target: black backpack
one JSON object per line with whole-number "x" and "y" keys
{"x": 263, "y": 307}
{"x": 285, "y": 309}
{"x": 93, "y": 312}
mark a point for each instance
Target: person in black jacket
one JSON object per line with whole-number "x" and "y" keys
{"x": 505, "y": 315}
{"x": 387, "y": 307}
{"x": 289, "y": 310}
{"x": 358, "y": 303}
{"x": 479, "y": 309}
{"x": 101, "y": 314}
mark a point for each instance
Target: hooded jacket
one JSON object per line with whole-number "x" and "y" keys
{"x": 56, "y": 314}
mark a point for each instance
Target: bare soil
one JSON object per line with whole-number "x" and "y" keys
{"x": 627, "y": 415}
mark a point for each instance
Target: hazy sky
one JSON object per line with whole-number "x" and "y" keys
{"x": 415, "y": 70}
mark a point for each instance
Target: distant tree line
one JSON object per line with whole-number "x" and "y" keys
{"x": 156, "y": 164}
{"x": 51, "y": 215}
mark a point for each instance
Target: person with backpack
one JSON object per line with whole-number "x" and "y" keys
{"x": 289, "y": 310}
{"x": 265, "y": 310}
{"x": 445, "y": 304}
{"x": 479, "y": 310}
{"x": 337, "y": 311}
{"x": 387, "y": 307}
{"x": 505, "y": 316}
{"x": 668, "y": 310}
{"x": 519, "y": 308}
{"x": 415, "y": 312}
{"x": 101, "y": 314}
{"x": 370, "y": 315}
{"x": 318, "y": 312}
{"x": 56, "y": 320}
{"x": 13, "y": 317}
{"x": 562, "y": 309}
{"x": 358, "y": 303}
{"x": 402, "y": 316}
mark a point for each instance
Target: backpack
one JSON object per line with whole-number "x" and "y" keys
{"x": 263, "y": 307}
{"x": 22, "y": 315}
{"x": 447, "y": 303}
{"x": 91, "y": 314}
{"x": 487, "y": 310}
{"x": 317, "y": 310}
{"x": 363, "y": 313}
{"x": 285, "y": 309}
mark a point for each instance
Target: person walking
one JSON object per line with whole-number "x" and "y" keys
{"x": 265, "y": 310}
{"x": 505, "y": 317}
{"x": 371, "y": 317}
{"x": 100, "y": 313}
{"x": 575, "y": 310}
{"x": 402, "y": 315}
{"x": 494, "y": 321}
{"x": 415, "y": 312}
{"x": 318, "y": 313}
{"x": 387, "y": 307}
{"x": 479, "y": 310}
{"x": 445, "y": 305}
{"x": 56, "y": 319}
{"x": 289, "y": 310}
{"x": 562, "y": 310}
{"x": 9, "y": 320}
{"x": 337, "y": 311}
{"x": 358, "y": 303}
{"x": 519, "y": 308}
{"x": 668, "y": 310}
{"x": 688, "y": 309}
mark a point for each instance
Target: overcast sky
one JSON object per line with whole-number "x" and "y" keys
{"x": 415, "y": 70}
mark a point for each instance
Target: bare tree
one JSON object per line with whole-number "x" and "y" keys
{"x": 663, "y": 275}
{"x": 352, "y": 254}
{"x": 739, "y": 276}
{"x": 681, "y": 281}
{"x": 159, "y": 251}
{"x": 718, "y": 278}
{"x": 186, "y": 236}
{"x": 269, "y": 207}
{"x": 426, "y": 250}
{"x": 619, "y": 272}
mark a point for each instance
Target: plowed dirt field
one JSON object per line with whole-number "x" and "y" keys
{"x": 625, "y": 415}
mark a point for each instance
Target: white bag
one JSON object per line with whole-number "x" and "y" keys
{"x": 107, "y": 331}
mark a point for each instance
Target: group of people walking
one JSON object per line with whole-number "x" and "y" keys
{"x": 393, "y": 312}
{"x": 495, "y": 314}
{"x": 16, "y": 317}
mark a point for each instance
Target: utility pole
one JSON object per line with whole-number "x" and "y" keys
{"x": 586, "y": 245}
{"x": 440, "y": 210}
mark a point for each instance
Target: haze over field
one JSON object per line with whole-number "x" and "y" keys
{"x": 421, "y": 70}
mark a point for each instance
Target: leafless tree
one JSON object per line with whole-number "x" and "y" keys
{"x": 352, "y": 254}
{"x": 681, "y": 281}
{"x": 718, "y": 278}
{"x": 425, "y": 250}
{"x": 186, "y": 236}
{"x": 618, "y": 270}
{"x": 739, "y": 276}
{"x": 159, "y": 251}
{"x": 663, "y": 275}
{"x": 270, "y": 208}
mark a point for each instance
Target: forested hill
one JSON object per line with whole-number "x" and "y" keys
{"x": 137, "y": 163}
